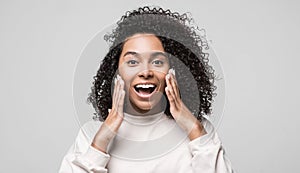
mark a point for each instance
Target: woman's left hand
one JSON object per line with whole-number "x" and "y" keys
{"x": 182, "y": 115}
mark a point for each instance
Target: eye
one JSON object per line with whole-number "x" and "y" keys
{"x": 132, "y": 62}
{"x": 158, "y": 62}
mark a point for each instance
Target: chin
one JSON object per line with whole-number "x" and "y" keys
{"x": 144, "y": 106}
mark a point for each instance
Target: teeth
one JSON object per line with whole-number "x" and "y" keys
{"x": 145, "y": 86}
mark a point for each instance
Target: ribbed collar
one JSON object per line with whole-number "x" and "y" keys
{"x": 143, "y": 120}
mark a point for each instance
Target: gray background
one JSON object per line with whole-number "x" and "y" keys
{"x": 256, "y": 42}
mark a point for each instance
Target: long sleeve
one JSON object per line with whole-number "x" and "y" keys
{"x": 81, "y": 157}
{"x": 204, "y": 154}
{"x": 208, "y": 155}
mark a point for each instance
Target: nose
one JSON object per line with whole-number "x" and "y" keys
{"x": 146, "y": 74}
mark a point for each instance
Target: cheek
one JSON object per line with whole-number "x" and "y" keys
{"x": 162, "y": 81}
{"x": 127, "y": 77}
{"x": 128, "y": 74}
{"x": 127, "y": 81}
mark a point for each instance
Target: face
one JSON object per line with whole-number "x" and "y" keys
{"x": 143, "y": 65}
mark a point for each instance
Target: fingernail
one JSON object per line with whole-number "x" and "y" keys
{"x": 115, "y": 80}
{"x": 173, "y": 70}
{"x": 119, "y": 77}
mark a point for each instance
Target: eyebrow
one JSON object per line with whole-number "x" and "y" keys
{"x": 130, "y": 53}
{"x": 154, "y": 54}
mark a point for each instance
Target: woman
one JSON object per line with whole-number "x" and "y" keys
{"x": 151, "y": 117}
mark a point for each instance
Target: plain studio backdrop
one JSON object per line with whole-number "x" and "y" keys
{"x": 257, "y": 43}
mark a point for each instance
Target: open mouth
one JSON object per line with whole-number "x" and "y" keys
{"x": 145, "y": 89}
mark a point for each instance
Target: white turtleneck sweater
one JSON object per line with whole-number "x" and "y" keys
{"x": 147, "y": 144}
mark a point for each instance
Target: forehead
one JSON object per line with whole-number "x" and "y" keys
{"x": 142, "y": 43}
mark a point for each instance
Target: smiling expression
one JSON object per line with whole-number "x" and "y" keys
{"x": 143, "y": 65}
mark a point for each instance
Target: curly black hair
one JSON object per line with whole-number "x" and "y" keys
{"x": 178, "y": 39}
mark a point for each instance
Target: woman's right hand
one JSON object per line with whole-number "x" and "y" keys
{"x": 114, "y": 119}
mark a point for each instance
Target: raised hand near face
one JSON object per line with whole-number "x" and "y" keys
{"x": 114, "y": 119}
{"x": 182, "y": 115}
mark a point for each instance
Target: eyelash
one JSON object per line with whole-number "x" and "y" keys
{"x": 159, "y": 62}
{"x": 155, "y": 62}
{"x": 132, "y": 62}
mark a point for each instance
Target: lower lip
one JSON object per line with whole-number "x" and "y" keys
{"x": 145, "y": 96}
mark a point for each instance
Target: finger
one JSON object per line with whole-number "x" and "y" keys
{"x": 175, "y": 87}
{"x": 170, "y": 87}
{"x": 170, "y": 98}
{"x": 118, "y": 94}
{"x": 173, "y": 81}
{"x": 173, "y": 91}
{"x": 115, "y": 91}
{"x": 121, "y": 94}
{"x": 121, "y": 103}
{"x": 174, "y": 84}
